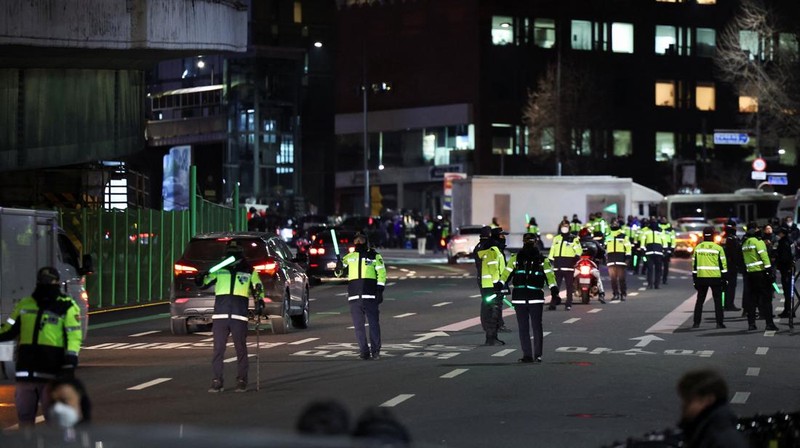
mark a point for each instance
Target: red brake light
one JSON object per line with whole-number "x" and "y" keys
{"x": 321, "y": 251}
{"x": 585, "y": 269}
{"x": 268, "y": 267}
{"x": 312, "y": 251}
{"x": 184, "y": 269}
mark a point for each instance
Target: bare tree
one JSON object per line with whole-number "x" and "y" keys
{"x": 563, "y": 111}
{"x": 760, "y": 61}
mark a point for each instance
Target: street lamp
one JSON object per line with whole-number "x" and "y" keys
{"x": 201, "y": 64}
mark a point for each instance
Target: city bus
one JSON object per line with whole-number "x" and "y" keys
{"x": 743, "y": 206}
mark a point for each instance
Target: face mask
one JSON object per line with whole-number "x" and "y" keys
{"x": 64, "y": 415}
{"x": 361, "y": 247}
{"x": 789, "y": 223}
{"x": 564, "y": 229}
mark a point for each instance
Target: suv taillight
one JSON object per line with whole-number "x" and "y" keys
{"x": 268, "y": 267}
{"x": 317, "y": 251}
{"x": 184, "y": 269}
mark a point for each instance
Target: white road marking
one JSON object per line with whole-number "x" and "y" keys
{"x": 453, "y": 373}
{"x": 404, "y": 270}
{"x": 680, "y": 271}
{"x": 230, "y": 360}
{"x": 464, "y": 324}
{"x": 207, "y": 340}
{"x": 391, "y": 283}
{"x": 329, "y": 312}
{"x": 572, "y": 321}
{"x": 544, "y": 333}
{"x": 643, "y": 288}
{"x": 740, "y": 397}
{"x": 205, "y": 333}
{"x": 594, "y": 310}
{"x": 14, "y": 427}
{"x": 633, "y": 294}
{"x": 683, "y": 277}
{"x": 149, "y": 384}
{"x": 475, "y": 296}
{"x": 341, "y": 294}
{"x": 143, "y": 333}
{"x": 400, "y": 316}
{"x": 505, "y": 352}
{"x": 442, "y": 304}
{"x": 303, "y": 341}
{"x": 423, "y": 276}
{"x": 393, "y": 267}
{"x": 353, "y": 328}
{"x": 769, "y": 333}
{"x": 396, "y": 400}
{"x": 676, "y": 317}
{"x": 753, "y": 371}
{"x": 762, "y": 350}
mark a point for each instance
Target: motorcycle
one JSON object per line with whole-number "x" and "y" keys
{"x": 586, "y": 284}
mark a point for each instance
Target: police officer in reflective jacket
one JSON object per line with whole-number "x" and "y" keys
{"x": 709, "y": 267}
{"x": 366, "y": 275}
{"x": 48, "y": 326}
{"x": 530, "y": 273}
{"x": 492, "y": 263}
{"x": 564, "y": 252}
{"x": 233, "y": 286}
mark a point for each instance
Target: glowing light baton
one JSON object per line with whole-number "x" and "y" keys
{"x": 510, "y": 305}
{"x": 776, "y": 288}
{"x": 723, "y": 299}
{"x": 527, "y": 219}
{"x": 335, "y": 242}
{"x": 222, "y": 264}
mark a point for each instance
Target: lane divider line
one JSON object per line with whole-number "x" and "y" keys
{"x": 643, "y": 288}
{"x": 144, "y": 333}
{"x": 762, "y": 350}
{"x": 303, "y": 341}
{"x": 675, "y": 318}
{"x": 594, "y": 310}
{"x": 464, "y": 324}
{"x": 505, "y": 352}
{"x": 753, "y": 371}
{"x": 633, "y": 294}
{"x": 474, "y": 296}
{"x": 453, "y": 373}
{"x": 353, "y": 328}
{"x": 150, "y": 384}
{"x": 396, "y": 400}
{"x": 769, "y": 333}
{"x": 391, "y": 283}
{"x": 740, "y": 397}
{"x": 442, "y": 304}
{"x": 230, "y": 360}
{"x": 572, "y": 320}
{"x": 544, "y": 334}
{"x": 400, "y": 316}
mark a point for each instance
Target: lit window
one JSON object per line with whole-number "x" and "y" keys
{"x": 706, "y": 2}
{"x": 750, "y": 42}
{"x": 548, "y": 140}
{"x": 502, "y": 138}
{"x": 748, "y": 104}
{"x": 704, "y": 141}
{"x": 622, "y": 37}
{"x": 705, "y": 96}
{"x": 623, "y": 143}
{"x": 666, "y": 41}
{"x": 665, "y": 146}
{"x": 502, "y": 30}
{"x": 544, "y": 33}
{"x": 581, "y": 35}
{"x": 706, "y": 42}
{"x": 298, "y": 12}
{"x": 665, "y": 93}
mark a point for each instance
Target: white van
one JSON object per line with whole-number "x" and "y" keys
{"x": 788, "y": 207}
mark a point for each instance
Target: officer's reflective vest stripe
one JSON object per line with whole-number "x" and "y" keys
{"x": 754, "y": 252}
{"x": 617, "y": 248}
{"x": 232, "y": 281}
{"x": 653, "y": 242}
{"x": 563, "y": 253}
{"x": 492, "y": 265}
{"x": 528, "y": 285}
{"x": 229, "y": 316}
{"x": 708, "y": 260}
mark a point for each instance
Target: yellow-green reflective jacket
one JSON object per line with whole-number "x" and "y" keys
{"x": 708, "y": 260}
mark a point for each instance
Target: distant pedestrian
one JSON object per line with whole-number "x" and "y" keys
{"x": 784, "y": 263}
{"x": 48, "y": 326}
{"x": 366, "y": 275}
{"x": 256, "y": 223}
{"x": 421, "y": 232}
{"x": 706, "y": 419}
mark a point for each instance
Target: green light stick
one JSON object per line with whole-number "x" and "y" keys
{"x": 776, "y": 288}
{"x": 723, "y": 299}
{"x": 222, "y": 264}
{"x": 335, "y": 242}
{"x": 527, "y": 219}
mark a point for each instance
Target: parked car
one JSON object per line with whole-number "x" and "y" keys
{"x": 322, "y": 253}
{"x": 462, "y": 242}
{"x": 688, "y": 232}
{"x": 283, "y": 275}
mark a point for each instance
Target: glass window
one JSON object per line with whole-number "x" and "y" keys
{"x": 502, "y": 30}
{"x": 298, "y": 12}
{"x": 622, "y": 37}
{"x": 706, "y": 2}
{"x": 787, "y": 43}
{"x": 748, "y": 104}
{"x": 581, "y": 35}
{"x": 700, "y": 141}
{"x": 544, "y": 33}
{"x": 623, "y": 143}
{"x": 502, "y": 138}
{"x": 665, "y": 146}
{"x": 749, "y": 42}
{"x": 705, "y": 96}
{"x": 548, "y": 140}
{"x": 666, "y": 41}
{"x": 665, "y": 93}
{"x": 706, "y": 42}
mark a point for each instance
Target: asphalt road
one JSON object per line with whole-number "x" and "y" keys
{"x": 609, "y": 371}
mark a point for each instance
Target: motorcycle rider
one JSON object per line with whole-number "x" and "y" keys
{"x": 530, "y": 273}
{"x": 587, "y": 258}
{"x": 564, "y": 252}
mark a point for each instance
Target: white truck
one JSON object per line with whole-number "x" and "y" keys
{"x": 29, "y": 240}
{"x": 478, "y": 199}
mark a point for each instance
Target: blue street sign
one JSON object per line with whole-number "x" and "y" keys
{"x": 731, "y": 138}
{"x": 777, "y": 179}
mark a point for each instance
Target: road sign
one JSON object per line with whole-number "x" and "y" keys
{"x": 759, "y": 164}
{"x": 758, "y": 175}
{"x": 731, "y": 138}
{"x": 777, "y": 179}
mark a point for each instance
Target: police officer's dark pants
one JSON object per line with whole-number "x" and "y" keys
{"x": 758, "y": 293}
{"x": 568, "y": 277}
{"x": 786, "y": 283}
{"x": 27, "y": 396}
{"x": 491, "y": 304}
{"x": 665, "y": 271}
{"x": 618, "y": 282}
{"x": 221, "y": 328}
{"x": 654, "y": 264}
{"x": 702, "y": 291}
{"x": 530, "y": 316}
{"x": 362, "y": 311}
{"x": 730, "y": 291}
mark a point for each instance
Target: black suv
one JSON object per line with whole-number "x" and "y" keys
{"x": 283, "y": 275}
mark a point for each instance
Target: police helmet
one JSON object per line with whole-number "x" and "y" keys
{"x": 529, "y": 238}
{"x": 360, "y": 238}
{"x": 497, "y": 232}
{"x": 47, "y": 275}
{"x": 708, "y": 233}
{"x": 614, "y": 225}
{"x": 486, "y": 232}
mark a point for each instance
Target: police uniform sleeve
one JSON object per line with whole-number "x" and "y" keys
{"x": 512, "y": 262}
{"x": 255, "y": 283}
{"x": 210, "y": 278}
{"x": 723, "y": 261}
{"x": 380, "y": 270}
{"x": 73, "y": 330}
{"x": 552, "y": 253}
{"x": 10, "y": 328}
{"x": 761, "y": 247}
{"x": 549, "y": 275}
{"x": 341, "y": 265}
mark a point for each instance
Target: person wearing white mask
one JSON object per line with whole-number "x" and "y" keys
{"x": 564, "y": 252}
{"x": 70, "y": 403}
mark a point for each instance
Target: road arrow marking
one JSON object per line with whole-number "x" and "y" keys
{"x": 645, "y": 340}
{"x": 425, "y": 336}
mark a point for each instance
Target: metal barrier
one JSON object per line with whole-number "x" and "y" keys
{"x": 134, "y": 249}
